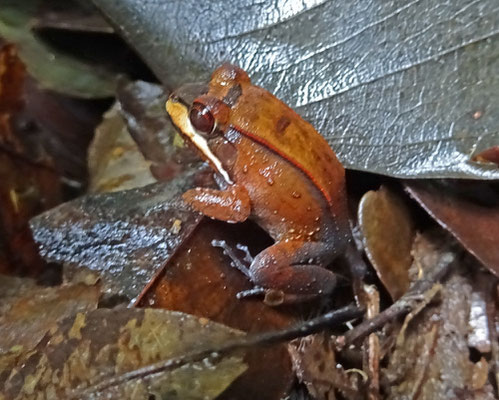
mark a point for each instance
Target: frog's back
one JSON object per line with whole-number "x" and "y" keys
{"x": 282, "y": 130}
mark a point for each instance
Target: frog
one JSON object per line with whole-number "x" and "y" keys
{"x": 274, "y": 168}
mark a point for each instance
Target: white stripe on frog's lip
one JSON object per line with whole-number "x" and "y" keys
{"x": 179, "y": 115}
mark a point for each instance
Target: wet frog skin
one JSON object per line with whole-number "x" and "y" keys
{"x": 274, "y": 168}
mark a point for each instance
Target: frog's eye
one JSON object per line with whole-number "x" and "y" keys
{"x": 202, "y": 119}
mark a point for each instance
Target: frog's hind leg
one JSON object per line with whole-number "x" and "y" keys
{"x": 236, "y": 262}
{"x": 293, "y": 271}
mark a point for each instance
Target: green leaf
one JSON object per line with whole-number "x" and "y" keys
{"x": 404, "y": 89}
{"x": 51, "y": 68}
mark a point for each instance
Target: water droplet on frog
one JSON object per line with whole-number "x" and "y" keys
{"x": 270, "y": 181}
{"x": 311, "y": 233}
{"x": 274, "y": 212}
{"x": 317, "y": 218}
{"x": 283, "y": 219}
{"x": 296, "y": 195}
{"x": 292, "y": 230}
{"x": 309, "y": 208}
{"x": 245, "y": 169}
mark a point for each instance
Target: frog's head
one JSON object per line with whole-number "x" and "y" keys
{"x": 201, "y": 113}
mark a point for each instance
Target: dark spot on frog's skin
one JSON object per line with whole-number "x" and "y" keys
{"x": 282, "y": 124}
{"x": 227, "y": 152}
{"x": 321, "y": 367}
{"x": 233, "y": 95}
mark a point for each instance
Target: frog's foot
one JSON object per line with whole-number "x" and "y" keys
{"x": 235, "y": 261}
{"x": 275, "y": 297}
{"x": 256, "y": 291}
{"x": 247, "y": 256}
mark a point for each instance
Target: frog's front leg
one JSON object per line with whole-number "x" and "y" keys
{"x": 293, "y": 271}
{"x": 231, "y": 205}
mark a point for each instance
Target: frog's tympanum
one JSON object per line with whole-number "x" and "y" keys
{"x": 274, "y": 168}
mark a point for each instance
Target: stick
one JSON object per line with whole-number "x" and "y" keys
{"x": 403, "y": 305}
{"x": 302, "y": 329}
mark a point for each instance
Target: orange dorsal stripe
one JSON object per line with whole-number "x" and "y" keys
{"x": 288, "y": 159}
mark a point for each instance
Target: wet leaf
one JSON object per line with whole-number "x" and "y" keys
{"x": 106, "y": 343}
{"x": 32, "y": 313}
{"x": 395, "y": 88}
{"x": 52, "y": 69}
{"x": 474, "y": 224}
{"x": 114, "y": 160}
{"x": 126, "y": 236}
{"x": 388, "y": 233}
{"x": 199, "y": 280}
{"x": 431, "y": 359}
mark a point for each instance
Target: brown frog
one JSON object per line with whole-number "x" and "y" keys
{"x": 274, "y": 168}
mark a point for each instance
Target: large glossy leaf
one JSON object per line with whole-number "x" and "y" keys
{"x": 400, "y": 88}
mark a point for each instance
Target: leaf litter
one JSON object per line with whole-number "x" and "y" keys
{"x": 437, "y": 337}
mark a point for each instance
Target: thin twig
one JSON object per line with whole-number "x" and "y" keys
{"x": 371, "y": 352}
{"x": 403, "y": 305}
{"x": 491, "y": 301}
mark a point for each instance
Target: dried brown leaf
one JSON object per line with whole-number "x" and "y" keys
{"x": 199, "y": 280}
{"x": 431, "y": 360}
{"x": 143, "y": 108}
{"x": 102, "y": 344}
{"x": 475, "y": 225}
{"x": 29, "y": 184}
{"x": 32, "y": 314}
{"x": 314, "y": 362}
{"x": 114, "y": 160}
{"x": 490, "y": 155}
{"x": 388, "y": 232}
